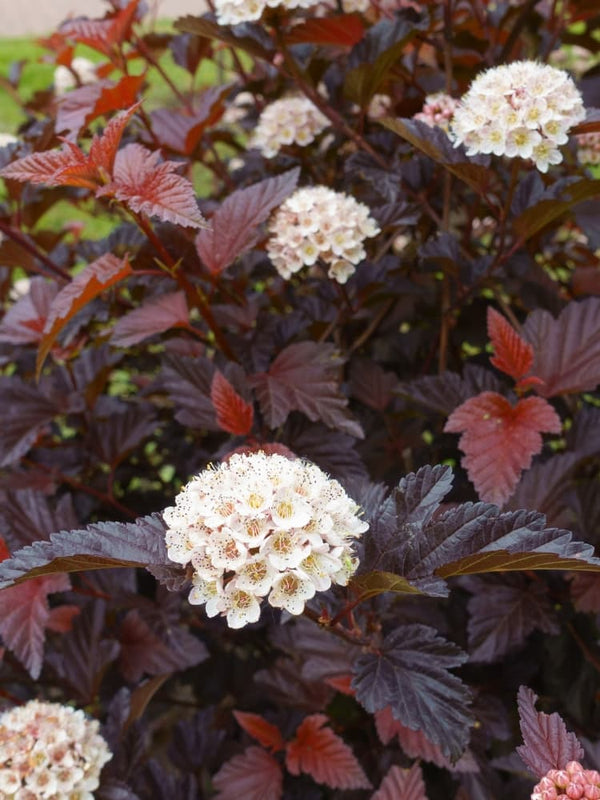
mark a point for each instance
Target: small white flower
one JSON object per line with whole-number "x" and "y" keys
{"x": 437, "y": 110}
{"x": 291, "y": 591}
{"x": 241, "y": 607}
{"x": 64, "y": 79}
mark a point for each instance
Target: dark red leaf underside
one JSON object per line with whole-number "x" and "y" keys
{"x": 256, "y": 726}
{"x": 24, "y": 615}
{"x": 512, "y": 354}
{"x": 320, "y": 753}
{"x": 233, "y": 225}
{"x": 344, "y": 30}
{"x": 156, "y": 315}
{"x": 253, "y": 775}
{"x": 234, "y": 414}
{"x": 499, "y": 440}
{"x": 546, "y": 742}
{"x": 152, "y": 188}
{"x": 567, "y": 349}
{"x": 88, "y": 284}
{"x": 402, "y": 784}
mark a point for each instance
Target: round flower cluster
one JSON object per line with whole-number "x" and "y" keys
{"x": 521, "y": 109}
{"x": 262, "y": 526}
{"x": 437, "y": 110}
{"x": 64, "y": 79}
{"x": 291, "y": 120}
{"x": 232, "y": 12}
{"x": 318, "y": 223}
{"x": 571, "y": 783}
{"x": 588, "y": 148}
{"x": 51, "y": 752}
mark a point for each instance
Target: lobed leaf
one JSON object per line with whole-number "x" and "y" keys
{"x": 342, "y": 30}
{"x": 303, "y": 377}
{"x": 84, "y": 104}
{"x": 88, "y": 284}
{"x": 103, "y": 35}
{"x": 320, "y": 753}
{"x": 234, "y": 414}
{"x": 98, "y": 546}
{"x": 182, "y": 131}
{"x": 546, "y": 742}
{"x": 512, "y": 354}
{"x": 24, "y": 322}
{"x": 499, "y": 440}
{"x": 402, "y": 784}
{"x": 26, "y": 413}
{"x": 188, "y": 382}
{"x": 567, "y": 349}
{"x": 234, "y": 223}
{"x": 410, "y": 673}
{"x": 541, "y": 214}
{"x": 253, "y": 775}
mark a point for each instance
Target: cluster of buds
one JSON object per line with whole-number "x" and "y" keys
{"x": 262, "y": 526}
{"x": 571, "y": 783}
{"x": 438, "y": 109}
{"x": 521, "y": 109}
{"x": 588, "y": 148}
{"x": 317, "y": 223}
{"x": 291, "y": 120}
{"x": 49, "y": 752}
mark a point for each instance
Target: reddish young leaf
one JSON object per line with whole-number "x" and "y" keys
{"x": 182, "y": 132}
{"x": 102, "y": 34}
{"x": 103, "y": 149}
{"x": 345, "y": 30}
{"x": 253, "y": 775}
{"x": 341, "y": 683}
{"x": 499, "y": 440}
{"x": 512, "y": 354}
{"x": 89, "y": 283}
{"x": 82, "y": 105}
{"x": 61, "y": 618}
{"x": 47, "y": 168}
{"x": 546, "y": 742}
{"x": 234, "y": 414}
{"x": 24, "y": 615}
{"x": 402, "y": 784}
{"x": 233, "y": 225}
{"x": 266, "y": 734}
{"x": 320, "y": 753}
{"x": 4, "y": 551}
{"x": 152, "y": 188}
{"x": 155, "y": 316}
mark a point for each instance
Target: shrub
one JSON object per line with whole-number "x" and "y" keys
{"x": 345, "y": 333}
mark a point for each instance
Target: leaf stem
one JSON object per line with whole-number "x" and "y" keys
{"x": 24, "y": 242}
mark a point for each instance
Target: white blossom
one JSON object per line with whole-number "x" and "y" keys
{"x": 50, "y": 752}
{"x": 290, "y": 535}
{"x": 588, "y": 148}
{"x": 438, "y": 109}
{"x": 317, "y": 223}
{"x": 521, "y": 109}
{"x": 290, "y": 120}
{"x": 83, "y": 68}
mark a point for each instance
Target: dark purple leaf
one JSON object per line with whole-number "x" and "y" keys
{"x": 25, "y": 413}
{"x": 182, "y": 132}
{"x": 114, "y": 434}
{"x": 371, "y": 384}
{"x": 583, "y": 438}
{"x": 537, "y": 216}
{"x": 27, "y": 515}
{"x": 502, "y": 614}
{"x": 443, "y": 393}
{"x": 543, "y": 488}
{"x": 85, "y": 653}
{"x": 410, "y": 673}
{"x": 546, "y": 742}
{"x": 155, "y": 316}
{"x": 567, "y": 349}
{"x": 24, "y": 322}
{"x": 234, "y": 225}
{"x": 332, "y": 451}
{"x": 305, "y": 377}
{"x": 24, "y": 615}
{"x": 188, "y": 382}
{"x": 156, "y": 782}
{"x": 98, "y": 546}
{"x": 196, "y": 741}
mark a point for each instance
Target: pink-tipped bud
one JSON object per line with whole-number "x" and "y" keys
{"x": 562, "y": 779}
{"x": 574, "y": 766}
{"x": 574, "y": 791}
{"x": 593, "y": 777}
{"x": 592, "y": 792}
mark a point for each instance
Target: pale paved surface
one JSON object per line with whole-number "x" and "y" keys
{"x": 25, "y": 17}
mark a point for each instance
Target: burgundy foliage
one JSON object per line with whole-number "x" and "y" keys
{"x": 451, "y": 385}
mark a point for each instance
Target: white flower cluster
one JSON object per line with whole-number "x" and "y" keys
{"x": 232, "y": 12}
{"x": 521, "y": 109}
{"x": 317, "y": 223}
{"x": 262, "y": 526}
{"x": 438, "y": 109}
{"x": 49, "y": 752}
{"x": 64, "y": 79}
{"x": 588, "y": 148}
{"x": 7, "y": 138}
{"x": 290, "y": 120}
